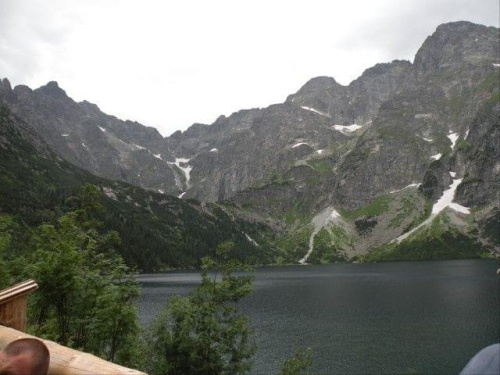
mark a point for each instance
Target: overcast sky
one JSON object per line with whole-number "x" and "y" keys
{"x": 169, "y": 64}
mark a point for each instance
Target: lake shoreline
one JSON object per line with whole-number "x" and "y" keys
{"x": 273, "y": 265}
{"x": 360, "y": 318}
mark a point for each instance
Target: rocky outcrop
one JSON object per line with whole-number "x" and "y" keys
{"x": 480, "y": 153}
{"x": 457, "y": 44}
{"x": 359, "y": 102}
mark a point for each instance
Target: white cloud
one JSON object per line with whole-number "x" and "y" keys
{"x": 169, "y": 64}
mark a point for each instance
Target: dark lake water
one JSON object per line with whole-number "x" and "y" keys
{"x": 385, "y": 318}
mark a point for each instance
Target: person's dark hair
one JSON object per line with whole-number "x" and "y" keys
{"x": 39, "y": 356}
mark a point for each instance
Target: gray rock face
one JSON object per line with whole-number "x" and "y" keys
{"x": 457, "y": 44}
{"x": 380, "y": 133}
{"x": 406, "y": 113}
{"x": 252, "y": 147}
{"x": 86, "y": 137}
{"x": 452, "y": 77}
{"x": 480, "y": 151}
{"x": 359, "y": 102}
{"x": 270, "y": 144}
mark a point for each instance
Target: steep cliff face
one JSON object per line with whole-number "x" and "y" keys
{"x": 359, "y": 102}
{"x": 457, "y": 44}
{"x": 429, "y": 118}
{"x": 88, "y": 138}
{"x": 253, "y": 147}
{"x": 479, "y": 156}
{"x": 380, "y": 152}
{"x": 281, "y": 137}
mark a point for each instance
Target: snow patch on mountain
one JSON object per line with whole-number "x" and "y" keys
{"x": 406, "y": 187}
{"x": 138, "y": 147}
{"x": 347, "y": 128}
{"x": 182, "y": 164}
{"x": 251, "y": 240}
{"x": 436, "y": 157}
{"x": 328, "y": 215}
{"x": 315, "y": 111}
{"x": 453, "y": 137}
{"x": 446, "y": 200}
{"x": 423, "y": 115}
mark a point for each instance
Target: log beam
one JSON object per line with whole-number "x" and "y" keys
{"x": 66, "y": 361}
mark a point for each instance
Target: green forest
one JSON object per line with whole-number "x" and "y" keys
{"x": 86, "y": 294}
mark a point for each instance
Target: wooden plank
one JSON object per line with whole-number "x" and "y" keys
{"x": 66, "y": 361}
{"x": 13, "y": 304}
{"x": 13, "y": 313}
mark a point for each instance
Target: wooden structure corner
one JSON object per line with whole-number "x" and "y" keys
{"x": 13, "y": 304}
{"x": 63, "y": 360}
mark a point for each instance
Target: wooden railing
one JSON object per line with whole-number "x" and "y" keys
{"x": 63, "y": 360}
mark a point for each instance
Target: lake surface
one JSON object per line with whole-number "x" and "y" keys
{"x": 385, "y": 318}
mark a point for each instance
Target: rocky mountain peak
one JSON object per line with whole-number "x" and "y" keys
{"x": 457, "y": 43}
{"x": 320, "y": 83}
{"x": 384, "y": 68}
{"x": 5, "y": 85}
{"x": 176, "y": 134}
{"x": 6, "y": 89}
{"x": 22, "y": 92}
{"x": 313, "y": 87}
{"x": 90, "y": 107}
{"x": 53, "y": 90}
{"x": 195, "y": 130}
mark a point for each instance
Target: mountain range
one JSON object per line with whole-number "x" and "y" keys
{"x": 403, "y": 163}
